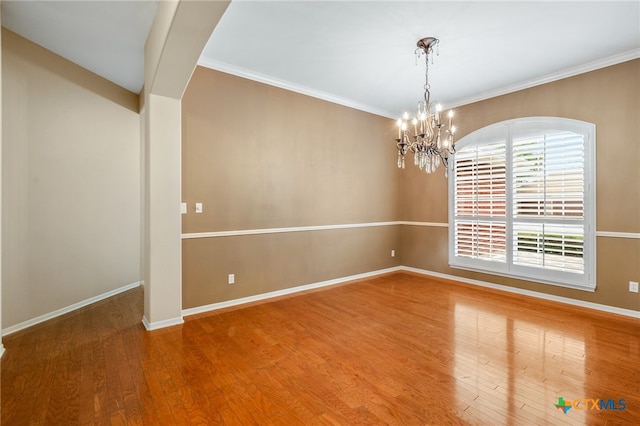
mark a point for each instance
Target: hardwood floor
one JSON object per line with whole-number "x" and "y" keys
{"x": 397, "y": 349}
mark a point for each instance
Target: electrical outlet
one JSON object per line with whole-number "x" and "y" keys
{"x": 232, "y": 278}
{"x": 393, "y": 253}
{"x": 198, "y": 207}
{"x": 633, "y": 286}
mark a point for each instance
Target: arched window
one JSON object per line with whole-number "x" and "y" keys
{"x": 522, "y": 201}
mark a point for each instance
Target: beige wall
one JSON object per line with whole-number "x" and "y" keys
{"x": 71, "y": 184}
{"x": 264, "y": 263}
{"x": 257, "y": 157}
{"x": 261, "y": 157}
{"x": 610, "y": 98}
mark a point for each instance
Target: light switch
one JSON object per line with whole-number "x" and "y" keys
{"x": 198, "y": 207}
{"x": 183, "y": 208}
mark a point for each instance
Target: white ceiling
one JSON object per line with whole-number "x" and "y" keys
{"x": 361, "y": 53}
{"x": 106, "y": 37}
{"x": 358, "y": 53}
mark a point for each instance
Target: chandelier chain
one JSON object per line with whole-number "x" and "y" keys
{"x": 427, "y": 86}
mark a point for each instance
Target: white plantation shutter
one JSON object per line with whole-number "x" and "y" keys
{"x": 548, "y": 184}
{"x": 521, "y": 202}
{"x": 554, "y": 247}
{"x": 480, "y": 203}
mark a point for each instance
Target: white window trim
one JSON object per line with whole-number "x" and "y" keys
{"x": 586, "y": 281}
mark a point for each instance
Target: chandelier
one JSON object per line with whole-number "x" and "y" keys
{"x": 428, "y": 136}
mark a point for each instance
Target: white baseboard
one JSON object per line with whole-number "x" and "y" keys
{"x": 284, "y": 292}
{"x": 265, "y": 296}
{"x": 596, "y": 306}
{"x": 150, "y": 326}
{"x": 67, "y": 309}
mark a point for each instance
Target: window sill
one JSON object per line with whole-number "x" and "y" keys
{"x": 532, "y": 279}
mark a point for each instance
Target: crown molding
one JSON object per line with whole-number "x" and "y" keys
{"x": 298, "y": 88}
{"x": 549, "y": 78}
{"x": 581, "y": 69}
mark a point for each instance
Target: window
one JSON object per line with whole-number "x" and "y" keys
{"x": 522, "y": 201}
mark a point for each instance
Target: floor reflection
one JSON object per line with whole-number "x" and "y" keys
{"x": 506, "y": 367}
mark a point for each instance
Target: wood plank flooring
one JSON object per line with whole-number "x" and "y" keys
{"x": 399, "y": 349}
